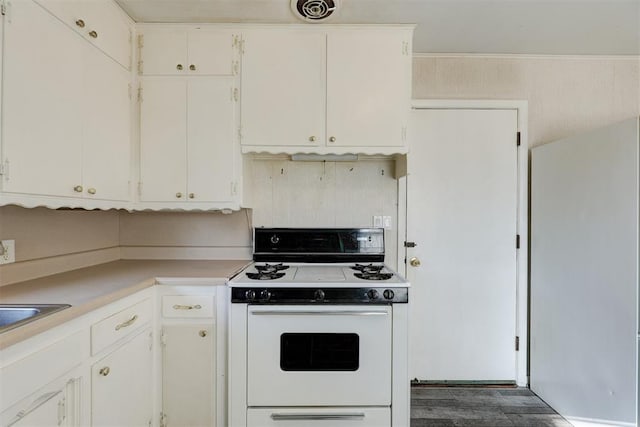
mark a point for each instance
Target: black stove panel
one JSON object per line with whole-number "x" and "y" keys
{"x": 268, "y": 296}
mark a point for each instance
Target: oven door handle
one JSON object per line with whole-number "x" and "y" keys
{"x": 318, "y": 313}
{"x": 305, "y": 417}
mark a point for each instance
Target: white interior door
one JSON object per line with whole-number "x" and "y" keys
{"x": 462, "y": 215}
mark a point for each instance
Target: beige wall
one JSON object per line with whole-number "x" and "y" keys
{"x": 566, "y": 95}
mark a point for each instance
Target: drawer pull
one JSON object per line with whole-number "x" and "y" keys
{"x": 187, "y": 307}
{"x": 93, "y": 34}
{"x": 318, "y": 417}
{"x": 127, "y": 323}
{"x": 104, "y": 371}
{"x": 202, "y": 333}
{"x": 80, "y": 23}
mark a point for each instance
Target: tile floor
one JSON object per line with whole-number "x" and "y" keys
{"x": 480, "y": 407}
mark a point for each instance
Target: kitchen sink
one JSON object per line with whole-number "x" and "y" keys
{"x": 14, "y": 315}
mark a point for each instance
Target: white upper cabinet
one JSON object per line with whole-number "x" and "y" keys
{"x": 338, "y": 90}
{"x": 196, "y": 51}
{"x": 188, "y": 149}
{"x": 66, "y": 116}
{"x": 283, "y": 88}
{"x": 368, "y": 87}
{"x": 99, "y": 21}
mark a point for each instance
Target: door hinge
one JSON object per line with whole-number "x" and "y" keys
{"x": 517, "y": 241}
{"x": 410, "y": 245}
{"x": 517, "y": 343}
{"x": 518, "y": 139}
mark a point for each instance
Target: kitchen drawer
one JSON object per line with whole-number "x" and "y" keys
{"x": 318, "y": 417}
{"x": 119, "y": 325}
{"x": 188, "y": 306}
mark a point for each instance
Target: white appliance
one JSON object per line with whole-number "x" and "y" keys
{"x": 584, "y": 275}
{"x": 320, "y": 341}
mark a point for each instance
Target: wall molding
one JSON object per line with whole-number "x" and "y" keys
{"x": 36, "y": 268}
{"x": 526, "y": 56}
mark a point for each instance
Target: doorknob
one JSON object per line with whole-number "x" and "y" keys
{"x": 415, "y": 262}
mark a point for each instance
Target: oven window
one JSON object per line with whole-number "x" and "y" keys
{"x": 319, "y": 352}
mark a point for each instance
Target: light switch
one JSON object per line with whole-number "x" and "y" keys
{"x": 377, "y": 221}
{"x": 386, "y": 222}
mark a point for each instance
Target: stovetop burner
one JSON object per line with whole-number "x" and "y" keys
{"x": 268, "y": 272}
{"x": 371, "y": 272}
{"x": 374, "y": 276}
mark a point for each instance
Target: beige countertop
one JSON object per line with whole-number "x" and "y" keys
{"x": 89, "y": 288}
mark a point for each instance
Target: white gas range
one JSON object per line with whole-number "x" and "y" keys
{"x": 318, "y": 332}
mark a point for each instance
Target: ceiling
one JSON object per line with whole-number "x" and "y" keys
{"x": 545, "y": 27}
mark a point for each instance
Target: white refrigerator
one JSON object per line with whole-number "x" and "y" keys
{"x": 584, "y": 275}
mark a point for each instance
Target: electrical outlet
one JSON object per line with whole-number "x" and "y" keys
{"x": 7, "y": 251}
{"x": 386, "y": 222}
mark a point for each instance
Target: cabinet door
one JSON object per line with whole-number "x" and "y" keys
{"x": 283, "y": 88}
{"x": 163, "y": 139}
{"x": 121, "y": 387}
{"x": 368, "y": 87}
{"x": 164, "y": 52}
{"x": 106, "y": 133}
{"x": 211, "y": 139}
{"x": 188, "y": 388}
{"x": 42, "y": 412}
{"x": 107, "y": 28}
{"x": 42, "y": 101}
{"x": 211, "y": 52}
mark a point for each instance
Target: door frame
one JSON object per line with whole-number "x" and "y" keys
{"x": 522, "y": 255}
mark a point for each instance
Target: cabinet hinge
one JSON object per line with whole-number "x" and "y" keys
{"x": 61, "y": 411}
{"x": 3, "y": 9}
{"x": 234, "y": 188}
{"x": 4, "y": 170}
{"x": 140, "y": 66}
{"x": 410, "y": 245}
{"x": 163, "y": 338}
{"x": 140, "y": 94}
{"x": 139, "y": 188}
{"x": 129, "y": 90}
{"x": 235, "y": 66}
{"x": 517, "y": 241}
{"x": 140, "y": 41}
{"x": 163, "y": 419}
{"x": 150, "y": 341}
{"x": 404, "y": 133}
{"x": 240, "y": 133}
{"x": 517, "y": 343}
{"x": 235, "y": 94}
{"x": 405, "y": 48}
{"x": 518, "y": 139}
{"x": 241, "y": 47}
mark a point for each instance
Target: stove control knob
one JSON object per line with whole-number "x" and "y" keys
{"x": 265, "y": 295}
{"x": 388, "y": 294}
{"x": 275, "y": 239}
{"x": 250, "y": 295}
{"x": 373, "y": 294}
{"x": 318, "y": 295}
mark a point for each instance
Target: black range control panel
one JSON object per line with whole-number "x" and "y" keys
{"x": 308, "y": 295}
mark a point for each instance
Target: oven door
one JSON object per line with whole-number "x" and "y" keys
{"x": 319, "y": 356}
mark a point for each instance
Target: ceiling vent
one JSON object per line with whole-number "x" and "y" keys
{"x": 314, "y": 10}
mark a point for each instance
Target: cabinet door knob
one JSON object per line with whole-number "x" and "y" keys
{"x": 192, "y": 195}
{"x": 192, "y": 67}
{"x": 179, "y": 195}
{"x": 78, "y": 188}
{"x": 415, "y": 262}
{"x": 312, "y": 138}
{"x": 80, "y": 23}
{"x": 179, "y": 67}
{"x": 332, "y": 139}
{"x": 93, "y": 34}
{"x": 91, "y": 191}
{"x": 104, "y": 371}
{"x": 202, "y": 333}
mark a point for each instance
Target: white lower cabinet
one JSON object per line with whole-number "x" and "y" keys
{"x": 190, "y": 357}
{"x": 318, "y": 417}
{"x": 188, "y": 375}
{"x": 121, "y": 384}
